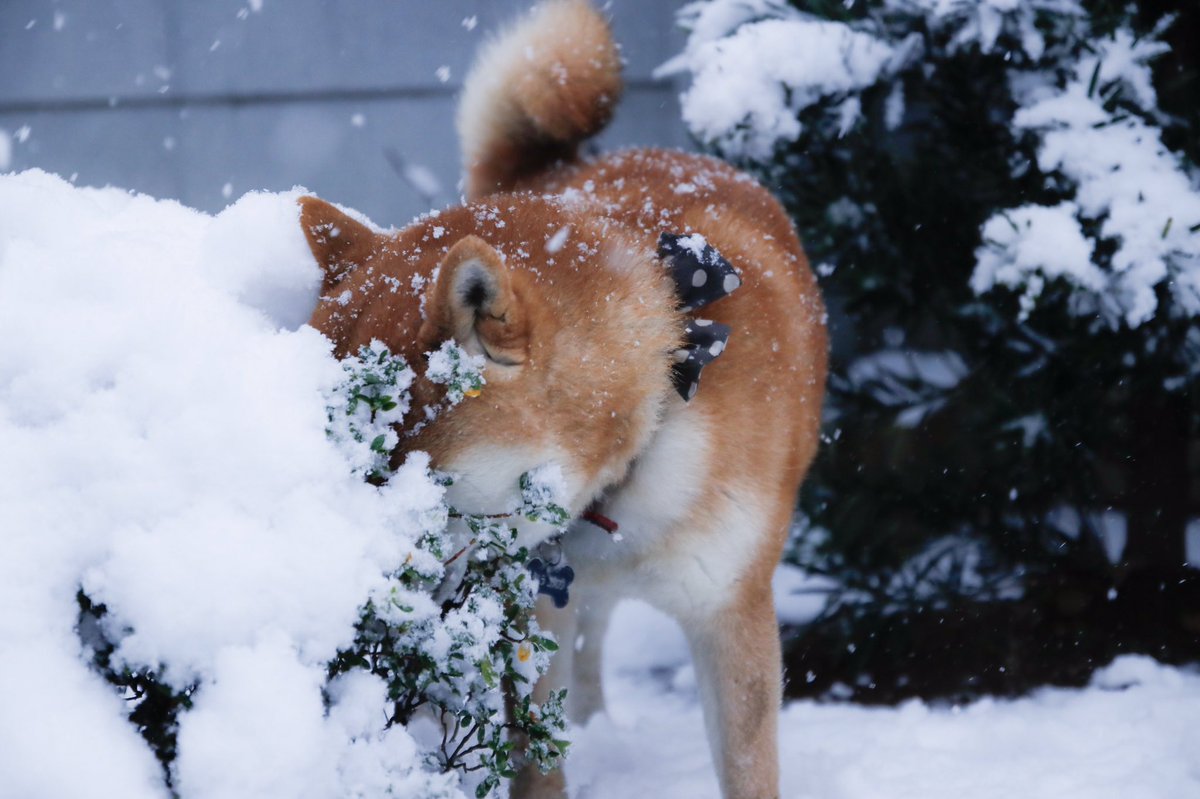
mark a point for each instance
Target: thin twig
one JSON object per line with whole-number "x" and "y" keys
{"x": 459, "y": 553}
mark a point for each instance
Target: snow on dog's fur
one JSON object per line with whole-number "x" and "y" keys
{"x": 550, "y": 273}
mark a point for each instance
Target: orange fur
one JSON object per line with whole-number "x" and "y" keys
{"x": 579, "y": 340}
{"x": 545, "y": 84}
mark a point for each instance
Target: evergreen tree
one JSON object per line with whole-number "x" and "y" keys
{"x": 1002, "y": 201}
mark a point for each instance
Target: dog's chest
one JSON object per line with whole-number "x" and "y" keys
{"x": 686, "y": 530}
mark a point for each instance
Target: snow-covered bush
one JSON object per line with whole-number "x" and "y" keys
{"x": 1001, "y": 199}
{"x": 215, "y": 580}
{"x": 364, "y": 411}
{"x": 449, "y": 642}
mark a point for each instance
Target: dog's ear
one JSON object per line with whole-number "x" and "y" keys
{"x": 338, "y": 242}
{"x": 473, "y": 302}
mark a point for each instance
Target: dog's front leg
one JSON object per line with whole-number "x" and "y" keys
{"x": 737, "y": 658}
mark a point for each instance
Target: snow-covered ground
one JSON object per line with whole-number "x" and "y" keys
{"x": 1130, "y": 735}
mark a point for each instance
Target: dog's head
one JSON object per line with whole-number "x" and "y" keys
{"x": 575, "y": 322}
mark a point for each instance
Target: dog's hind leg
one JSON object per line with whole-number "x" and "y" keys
{"x": 585, "y": 698}
{"x": 737, "y": 658}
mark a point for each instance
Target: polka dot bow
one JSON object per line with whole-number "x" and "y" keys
{"x": 701, "y": 276}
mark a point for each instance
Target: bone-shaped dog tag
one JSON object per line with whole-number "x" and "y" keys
{"x": 553, "y": 581}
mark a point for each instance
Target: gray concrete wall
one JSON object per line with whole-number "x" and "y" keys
{"x": 202, "y": 100}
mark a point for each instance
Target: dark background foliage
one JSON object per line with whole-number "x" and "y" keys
{"x": 966, "y": 548}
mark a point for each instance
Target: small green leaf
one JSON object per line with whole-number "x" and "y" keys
{"x": 489, "y": 674}
{"x": 1095, "y": 78}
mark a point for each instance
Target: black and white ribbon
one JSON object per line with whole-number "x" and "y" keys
{"x": 701, "y": 275}
{"x": 704, "y": 341}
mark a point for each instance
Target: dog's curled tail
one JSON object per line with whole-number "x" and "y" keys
{"x": 535, "y": 92}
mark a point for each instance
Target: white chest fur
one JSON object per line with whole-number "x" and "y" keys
{"x": 687, "y": 533}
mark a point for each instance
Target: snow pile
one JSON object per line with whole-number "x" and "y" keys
{"x": 1129, "y": 734}
{"x": 163, "y": 449}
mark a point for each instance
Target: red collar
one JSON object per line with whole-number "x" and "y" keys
{"x": 600, "y": 520}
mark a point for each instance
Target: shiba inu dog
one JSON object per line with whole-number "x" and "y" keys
{"x": 557, "y": 271}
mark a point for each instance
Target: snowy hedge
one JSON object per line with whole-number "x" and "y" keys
{"x": 189, "y": 549}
